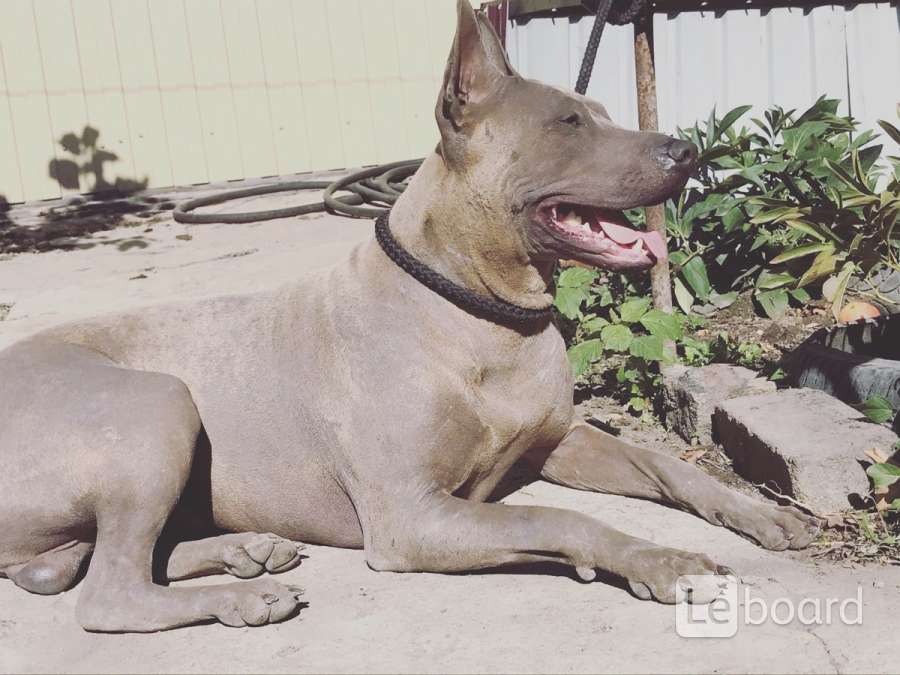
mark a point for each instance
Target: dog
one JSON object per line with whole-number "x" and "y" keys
{"x": 362, "y": 407}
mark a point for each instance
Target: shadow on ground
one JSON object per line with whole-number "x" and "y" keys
{"x": 69, "y": 223}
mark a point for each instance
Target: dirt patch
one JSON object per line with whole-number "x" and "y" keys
{"x": 70, "y": 225}
{"x": 776, "y": 337}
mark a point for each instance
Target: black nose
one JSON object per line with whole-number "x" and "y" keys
{"x": 682, "y": 153}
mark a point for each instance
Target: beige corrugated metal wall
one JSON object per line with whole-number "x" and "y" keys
{"x": 193, "y": 91}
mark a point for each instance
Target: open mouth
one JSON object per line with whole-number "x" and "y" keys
{"x": 602, "y": 236}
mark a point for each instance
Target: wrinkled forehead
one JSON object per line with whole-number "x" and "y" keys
{"x": 556, "y": 101}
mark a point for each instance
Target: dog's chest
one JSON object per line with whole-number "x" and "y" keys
{"x": 521, "y": 401}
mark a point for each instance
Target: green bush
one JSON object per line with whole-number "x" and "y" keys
{"x": 787, "y": 212}
{"x": 786, "y": 209}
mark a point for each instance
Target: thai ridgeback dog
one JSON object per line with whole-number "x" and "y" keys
{"x": 359, "y": 408}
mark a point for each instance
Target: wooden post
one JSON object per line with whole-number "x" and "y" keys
{"x": 648, "y": 120}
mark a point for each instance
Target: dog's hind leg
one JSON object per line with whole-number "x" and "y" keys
{"x": 243, "y": 555}
{"x": 132, "y": 508}
{"x": 54, "y": 571}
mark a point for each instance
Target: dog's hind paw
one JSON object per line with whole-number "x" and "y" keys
{"x": 254, "y": 553}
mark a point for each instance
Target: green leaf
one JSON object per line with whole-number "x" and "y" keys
{"x": 890, "y": 130}
{"x": 582, "y": 355}
{"x": 616, "y": 337}
{"x": 799, "y": 252}
{"x": 694, "y": 272}
{"x": 841, "y": 174}
{"x": 774, "y": 303}
{"x": 648, "y": 347}
{"x": 840, "y": 287}
{"x": 800, "y": 295}
{"x": 683, "y": 296}
{"x": 660, "y": 324}
{"x": 731, "y": 117}
{"x": 633, "y": 310}
{"x": 576, "y": 277}
{"x": 593, "y": 325}
{"x": 822, "y": 265}
{"x": 568, "y": 301}
{"x": 722, "y": 300}
{"x": 878, "y": 409}
{"x": 768, "y": 281}
{"x": 883, "y": 475}
{"x": 732, "y": 219}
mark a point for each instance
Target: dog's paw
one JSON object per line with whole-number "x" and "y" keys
{"x": 775, "y": 527}
{"x": 258, "y": 602}
{"x": 252, "y": 554}
{"x": 655, "y": 573}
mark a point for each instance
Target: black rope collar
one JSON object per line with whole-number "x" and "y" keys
{"x": 493, "y": 309}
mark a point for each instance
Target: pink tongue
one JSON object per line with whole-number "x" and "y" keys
{"x": 625, "y": 236}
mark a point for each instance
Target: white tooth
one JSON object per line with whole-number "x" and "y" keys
{"x": 638, "y": 245}
{"x": 573, "y": 219}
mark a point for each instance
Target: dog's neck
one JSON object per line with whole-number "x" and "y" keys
{"x": 451, "y": 228}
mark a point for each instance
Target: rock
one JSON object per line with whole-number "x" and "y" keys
{"x": 690, "y": 396}
{"x": 802, "y": 442}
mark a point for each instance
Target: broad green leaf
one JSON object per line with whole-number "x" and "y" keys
{"x": 616, "y": 337}
{"x": 666, "y": 326}
{"x": 732, "y": 219}
{"x": 878, "y": 409}
{"x": 568, "y": 301}
{"x": 768, "y": 281}
{"x": 694, "y": 272}
{"x": 593, "y": 325}
{"x": 883, "y": 475}
{"x": 774, "y": 303}
{"x": 799, "y": 252}
{"x": 800, "y": 295}
{"x": 605, "y": 298}
{"x": 648, "y": 347}
{"x": 752, "y": 174}
{"x": 722, "y": 300}
{"x": 582, "y": 355}
{"x": 822, "y": 266}
{"x": 576, "y": 277}
{"x": 683, "y": 296}
{"x": 633, "y": 310}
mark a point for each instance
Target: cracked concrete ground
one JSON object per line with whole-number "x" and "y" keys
{"x": 357, "y": 620}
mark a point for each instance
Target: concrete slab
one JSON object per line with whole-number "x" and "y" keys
{"x": 690, "y": 395}
{"x": 803, "y": 441}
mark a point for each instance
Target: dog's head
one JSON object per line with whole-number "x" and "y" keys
{"x": 561, "y": 170}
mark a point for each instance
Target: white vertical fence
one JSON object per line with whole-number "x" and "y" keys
{"x": 787, "y": 57}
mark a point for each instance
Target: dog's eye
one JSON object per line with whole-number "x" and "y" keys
{"x": 573, "y": 120}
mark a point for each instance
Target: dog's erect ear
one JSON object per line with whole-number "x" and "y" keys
{"x": 476, "y": 65}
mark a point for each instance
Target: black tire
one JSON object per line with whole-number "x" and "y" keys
{"x": 848, "y": 361}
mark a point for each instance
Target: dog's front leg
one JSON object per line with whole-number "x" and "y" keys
{"x": 436, "y": 532}
{"x": 589, "y": 459}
